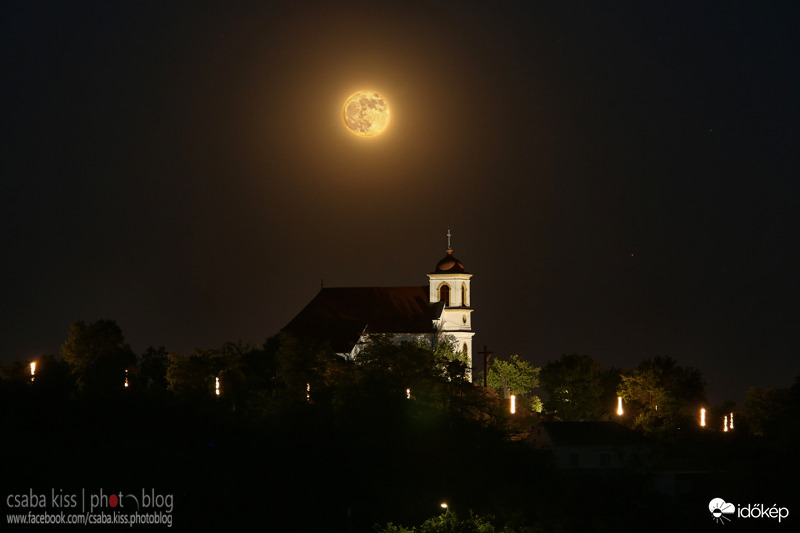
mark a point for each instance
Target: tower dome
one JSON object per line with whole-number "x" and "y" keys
{"x": 449, "y": 264}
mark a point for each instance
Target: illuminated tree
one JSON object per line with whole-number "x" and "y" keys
{"x": 517, "y": 377}
{"x": 660, "y": 395}
{"x": 446, "y": 522}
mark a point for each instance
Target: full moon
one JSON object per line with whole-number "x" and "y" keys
{"x": 366, "y": 113}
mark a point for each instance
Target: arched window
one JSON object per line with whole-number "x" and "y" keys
{"x": 464, "y": 295}
{"x": 444, "y": 294}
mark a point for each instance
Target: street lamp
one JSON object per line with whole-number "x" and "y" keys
{"x": 702, "y": 417}
{"x": 33, "y": 370}
{"x": 443, "y": 505}
{"x": 619, "y": 405}
{"x": 513, "y": 404}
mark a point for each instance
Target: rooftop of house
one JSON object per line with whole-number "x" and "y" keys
{"x": 571, "y": 434}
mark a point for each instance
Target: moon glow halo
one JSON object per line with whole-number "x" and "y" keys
{"x": 366, "y": 113}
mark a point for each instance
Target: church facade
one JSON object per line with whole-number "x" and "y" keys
{"x": 345, "y": 317}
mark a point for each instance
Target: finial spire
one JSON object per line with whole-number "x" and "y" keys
{"x": 449, "y": 247}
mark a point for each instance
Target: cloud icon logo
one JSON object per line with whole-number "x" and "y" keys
{"x": 719, "y": 507}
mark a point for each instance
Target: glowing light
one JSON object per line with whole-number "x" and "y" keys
{"x": 513, "y": 404}
{"x": 126, "y": 377}
{"x": 216, "y": 386}
{"x": 408, "y": 393}
{"x": 619, "y": 405}
{"x": 702, "y": 417}
{"x": 33, "y": 371}
{"x": 308, "y": 392}
{"x": 725, "y": 428}
{"x": 366, "y": 113}
{"x": 443, "y": 505}
{"x": 731, "y": 425}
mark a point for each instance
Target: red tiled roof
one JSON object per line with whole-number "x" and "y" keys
{"x": 341, "y": 314}
{"x": 449, "y": 264}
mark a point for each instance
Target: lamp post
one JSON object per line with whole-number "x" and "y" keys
{"x": 702, "y": 417}
{"x": 619, "y": 405}
{"x": 33, "y": 371}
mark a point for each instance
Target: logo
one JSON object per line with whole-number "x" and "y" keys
{"x": 719, "y": 508}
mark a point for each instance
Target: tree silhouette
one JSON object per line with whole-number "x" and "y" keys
{"x": 579, "y": 388}
{"x": 98, "y": 357}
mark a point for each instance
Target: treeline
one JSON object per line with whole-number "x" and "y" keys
{"x": 659, "y": 396}
{"x": 287, "y": 432}
{"x": 259, "y": 381}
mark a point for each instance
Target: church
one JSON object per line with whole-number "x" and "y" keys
{"x": 346, "y": 316}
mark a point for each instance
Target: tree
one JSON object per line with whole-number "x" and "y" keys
{"x": 660, "y": 395}
{"x": 152, "y": 369}
{"x": 447, "y": 522}
{"x": 766, "y": 411}
{"x": 97, "y": 356}
{"x": 517, "y": 377}
{"x": 386, "y": 370}
{"x": 194, "y": 377}
{"x": 579, "y": 388}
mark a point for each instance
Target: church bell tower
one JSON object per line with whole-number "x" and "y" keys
{"x": 450, "y": 283}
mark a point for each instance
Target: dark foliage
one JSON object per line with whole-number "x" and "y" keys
{"x": 302, "y": 440}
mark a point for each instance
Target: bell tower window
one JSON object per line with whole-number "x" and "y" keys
{"x": 444, "y": 294}
{"x": 464, "y": 295}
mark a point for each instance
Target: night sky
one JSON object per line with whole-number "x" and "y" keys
{"x": 620, "y": 177}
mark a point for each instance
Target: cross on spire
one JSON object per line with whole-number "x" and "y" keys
{"x": 448, "y": 239}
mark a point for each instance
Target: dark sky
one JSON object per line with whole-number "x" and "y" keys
{"x": 620, "y": 177}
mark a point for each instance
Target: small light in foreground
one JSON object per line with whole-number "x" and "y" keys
{"x": 619, "y": 405}
{"x": 126, "y": 377}
{"x": 216, "y": 386}
{"x": 731, "y": 424}
{"x": 725, "y": 428}
{"x": 408, "y": 393}
{"x": 513, "y": 404}
{"x": 308, "y": 392}
{"x": 702, "y": 417}
{"x": 33, "y": 371}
